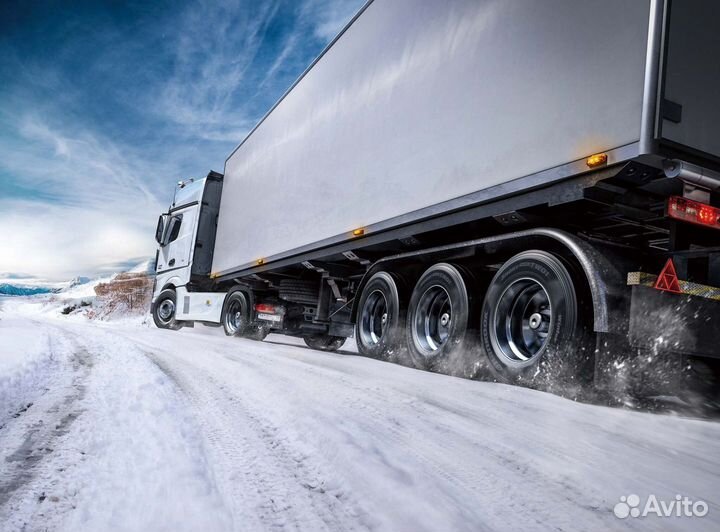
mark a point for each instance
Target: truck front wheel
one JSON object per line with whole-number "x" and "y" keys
{"x": 532, "y": 323}
{"x": 164, "y": 311}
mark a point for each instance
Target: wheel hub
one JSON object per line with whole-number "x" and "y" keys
{"x": 445, "y": 319}
{"x": 166, "y": 310}
{"x": 373, "y": 318}
{"x": 535, "y": 320}
{"x": 234, "y": 317}
{"x": 522, "y": 320}
{"x": 433, "y": 318}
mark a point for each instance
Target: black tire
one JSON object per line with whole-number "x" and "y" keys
{"x": 534, "y": 323}
{"x": 163, "y": 311}
{"x": 380, "y": 317}
{"x": 324, "y": 342}
{"x": 438, "y": 315}
{"x": 235, "y": 315}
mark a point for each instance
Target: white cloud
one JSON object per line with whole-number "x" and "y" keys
{"x": 215, "y": 47}
{"x": 331, "y": 16}
{"x": 60, "y": 241}
{"x": 84, "y": 198}
{"x": 82, "y": 167}
{"x": 96, "y": 205}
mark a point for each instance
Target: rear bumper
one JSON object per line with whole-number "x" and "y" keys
{"x": 677, "y": 323}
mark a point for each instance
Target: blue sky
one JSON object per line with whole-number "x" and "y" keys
{"x": 105, "y": 105}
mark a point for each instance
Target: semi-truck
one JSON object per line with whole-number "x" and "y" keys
{"x": 529, "y": 189}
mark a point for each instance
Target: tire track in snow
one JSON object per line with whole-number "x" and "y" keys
{"x": 29, "y": 439}
{"x": 271, "y": 484}
{"x": 373, "y": 430}
{"x": 131, "y": 459}
{"x": 490, "y": 456}
{"x": 368, "y": 429}
{"x": 393, "y": 419}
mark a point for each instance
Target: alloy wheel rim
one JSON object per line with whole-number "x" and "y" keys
{"x": 374, "y": 318}
{"x": 522, "y": 321}
{"x": 166, "y": 310}
{"x": 432, "y": 321}
{"x": 233, "y": 316}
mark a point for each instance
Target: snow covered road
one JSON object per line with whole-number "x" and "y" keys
{"x": 133, "y": 428}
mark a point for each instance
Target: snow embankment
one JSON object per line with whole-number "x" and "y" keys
{"x": 140, "y": 444}
{"x": 28, "y": 361}
{"x": 121, "y": 298}
{"x": 108, "y": 445}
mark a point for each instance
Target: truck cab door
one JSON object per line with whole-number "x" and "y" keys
{"x": 177, "y": 239}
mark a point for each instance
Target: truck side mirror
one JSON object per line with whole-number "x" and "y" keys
{"x": 160, "y": 230}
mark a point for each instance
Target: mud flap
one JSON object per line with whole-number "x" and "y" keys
{"x": 681, "y": 324}
{"x": 665, "y": 332}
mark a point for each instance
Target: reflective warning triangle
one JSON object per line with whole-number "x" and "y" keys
{"x": 667, "y": 281}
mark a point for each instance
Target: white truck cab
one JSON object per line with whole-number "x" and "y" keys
{"x": 185, "y": 236}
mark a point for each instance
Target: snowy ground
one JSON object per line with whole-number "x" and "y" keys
{"x": 107, "y": 426}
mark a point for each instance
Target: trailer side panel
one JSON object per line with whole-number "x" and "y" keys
{"x": 690, "y": 111}
{"x": 421, "y": 102}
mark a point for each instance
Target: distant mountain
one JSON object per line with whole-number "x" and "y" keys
{"x": 147, "y": 266}
{"x": 14, "y": 284}
{"x": 77, "y": 281}
{"x": 12, "y": 290}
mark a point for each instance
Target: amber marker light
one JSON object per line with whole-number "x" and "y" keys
{"x": 260, "y": 262}
{"x": 359, "y": 232}
{"x": 596, "y": 160}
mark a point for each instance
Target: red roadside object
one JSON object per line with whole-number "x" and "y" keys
{"x": 667, "y": 281}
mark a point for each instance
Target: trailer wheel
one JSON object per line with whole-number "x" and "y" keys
{"x": 437, "y": 320}
{"x": 163, "y": 311}
{"x": 324, "y": 342}
{"x": 532, "y": 328}
{"x": 380, "y": 317}
{"x": 236, "y": 314}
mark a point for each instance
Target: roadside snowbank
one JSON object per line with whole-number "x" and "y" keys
{"x": 27, "y": 361}
{"x": 75, "y": 304}
{"x": 144, "y": 466}
{"x": 107, "y": 441}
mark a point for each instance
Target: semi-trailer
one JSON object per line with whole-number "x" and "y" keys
{"x": 527, "y": 188}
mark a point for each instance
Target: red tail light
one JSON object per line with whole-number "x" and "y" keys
{"x": 264, "y": 307}
{"x": 693, "y": 212}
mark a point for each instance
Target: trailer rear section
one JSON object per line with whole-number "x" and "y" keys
{"x": 481, "y": 188}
